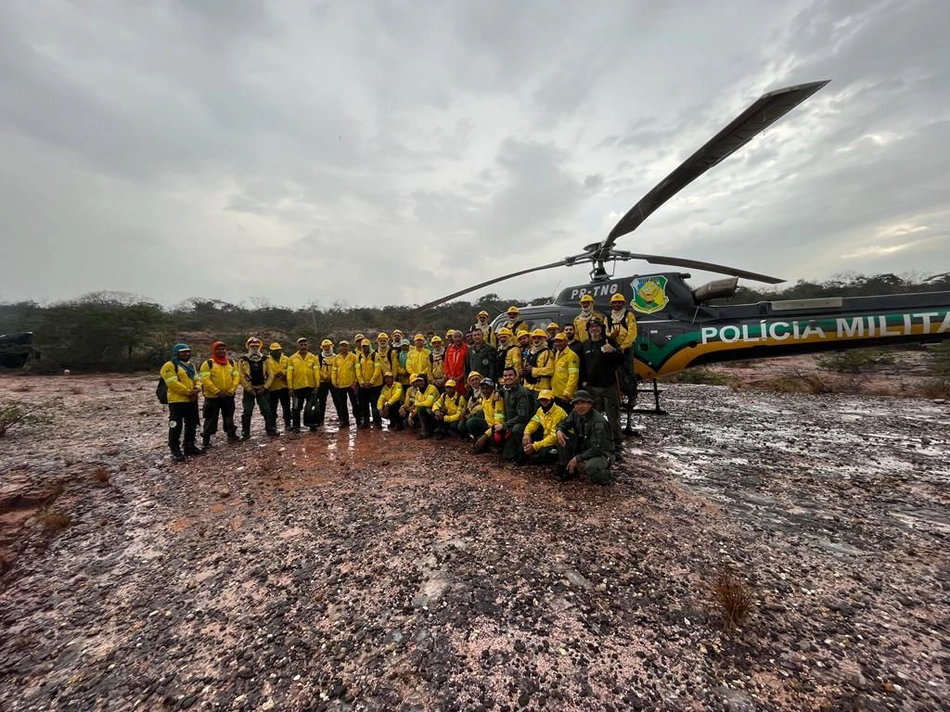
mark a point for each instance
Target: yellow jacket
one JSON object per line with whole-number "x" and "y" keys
{"x": 580, "y": 325}
{"x": 437, "y": 369}
{"x": 451, "y": 406}
{"x": 179, "y": 383}
{"x": 219, "y": 380}
{"x": 280, "y": 372}
{"x": 567, "y": 371}
{"x": 493, "y": 409}
{"x": 303, "y": 371}
{"x": 389, "y": 361}
{"x": 244, "y": 366}
{"x": 390, "y": 395}
{"x": 369, "y": 371}
{"x": 418, "y": 361}
{"x": 542, "y": 371}
{"x": 548, "y": 423}
{"x": 343, "y": 370}
{"x": 626, "y": 328}
{"x": 426, "y": 398}
{"x": 325, "y": 367}
{"x": 512, "y": 358}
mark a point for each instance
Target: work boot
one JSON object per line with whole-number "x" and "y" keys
{"x": 205, "y": 441}
{"x": 481, "y": 444}
{"x": 193, "y": 450}
{"x": 177, "y": 456}
{"x": 245, "y": 434}
{"x": 233, "y": 438}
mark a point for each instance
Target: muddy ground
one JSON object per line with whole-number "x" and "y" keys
{"x": 370, "y": 571}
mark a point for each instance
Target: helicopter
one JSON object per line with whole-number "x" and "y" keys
{"x": 680, "y": 327}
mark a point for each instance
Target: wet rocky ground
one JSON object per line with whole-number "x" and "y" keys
{"x": 370, "y": 571}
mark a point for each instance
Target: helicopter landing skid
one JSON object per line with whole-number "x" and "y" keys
{"x": 628, "y": 406}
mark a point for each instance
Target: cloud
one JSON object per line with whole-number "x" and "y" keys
{"x": 379, "y": 153}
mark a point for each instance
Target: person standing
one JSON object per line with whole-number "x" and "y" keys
{"x": 572, "y": 343}
{"x": 508, "y": 354}
{"x": 303, "y": 380}
{"x": 256, "y": 376}
{"x": 621, "y": 322}
{"x": 455, "y": 356}
{"x": 369, "y": 376}
{"x": 538, "y": 366}
{"x": 437, "y": 375}
{"x": 582, "y": 319}
{"x": 182, "y": 382}
{"x": 599, "y": 366}
{"x": 418, "y": 361}
{"x": 567, "y": 371}
{"x": 480, "y": 357}
{"x": 219, "y": 382}
{"x": 278, "y": 392}
{"x": 584, "y": 443}
{"x": 343, "y": 380}
{"x": 483, "y": 325}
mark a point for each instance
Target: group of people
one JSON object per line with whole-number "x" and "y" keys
{"x": 547, "y": 395}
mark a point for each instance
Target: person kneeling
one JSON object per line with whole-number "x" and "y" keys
{"x": 448, "y": 411}
{"x": 389, "y": 401}
{"x": 585, "y": 445}
{"x": 539, "y": 443}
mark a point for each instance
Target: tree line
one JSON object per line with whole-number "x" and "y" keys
{"x": 116, "y": 331}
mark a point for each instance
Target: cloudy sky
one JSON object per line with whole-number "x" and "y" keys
{"x": 387, "y": 152}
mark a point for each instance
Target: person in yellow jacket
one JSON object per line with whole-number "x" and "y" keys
{"x": 621, "y": 322}
{"x": 493, "y": 413}
{"x": 219, "y": 382}
{"x": 418, "y": 361}
{"x": 483, "y": 324}
{"x": 567, "y": 371}
{"x": 437, "y": 375}
{"x": 256, "y": 376}
{"x": 303, "y": 379}
{"x": 587, "y": 313}
{"x": 278, "y": 391}
{"x": 388, "y": 356}
{"x": 182, "y": 381}
{"x": 369, "y": 376}
{"x": 514, "y": 323}
{"x": 420, "y": 410}
{"x": 344, "y": 384}
{"x": 508, "y": 354}
{"x": 324, "y": 387}
{"x": 539, "y": 443}
{"x": 389, "y": 401}
{"x": 448, "y": 410}
{"x": 538, "y": 365}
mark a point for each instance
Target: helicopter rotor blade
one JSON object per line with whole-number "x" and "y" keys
{"x": 698, "y": 264}
{"x": 761, "y": 114}
{"x": 567, "y": 261}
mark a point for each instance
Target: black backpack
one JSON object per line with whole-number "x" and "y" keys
{"x": 161, "y": 391}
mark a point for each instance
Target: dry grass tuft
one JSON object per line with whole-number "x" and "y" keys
{"x": 53, "y": 521}
{"x": 935, "y": 388}
{"x": 75, "y": 390}
{"x": 101, "y": 476}
{"x": 733, "y": 598}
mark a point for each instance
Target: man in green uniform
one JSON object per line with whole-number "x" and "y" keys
{"x": 584, "y": 443}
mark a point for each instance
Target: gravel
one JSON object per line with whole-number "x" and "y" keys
{"x": 371, "y": 571}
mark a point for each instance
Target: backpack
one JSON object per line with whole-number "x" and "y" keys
{"x": 161, "y": 391}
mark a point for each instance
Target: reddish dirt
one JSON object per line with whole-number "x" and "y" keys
{"x": 367, "y": 570}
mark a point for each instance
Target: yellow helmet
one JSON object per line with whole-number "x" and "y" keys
{"x": 326, "y": 342}
{"x": 276, "y": 347}
{"x": 504, "y": 331}
{"x": 587, "y": 299}
{"x": 513, "y": 309}
{"x": 450, "y": 382}
{"x": 546, "y": 394}
{"x": 436, "y": 339}
{"x": 618, "y": 297}
{"x": 382, "y": 336}
{"x": 539, "y": 332}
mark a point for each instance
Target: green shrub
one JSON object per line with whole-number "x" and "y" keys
{"x": 855, "y": 360}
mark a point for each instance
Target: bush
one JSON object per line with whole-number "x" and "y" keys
{"x": 733, "y": 599}
{"x": 855, "y": 360}
{"x": 699, "y": 375}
